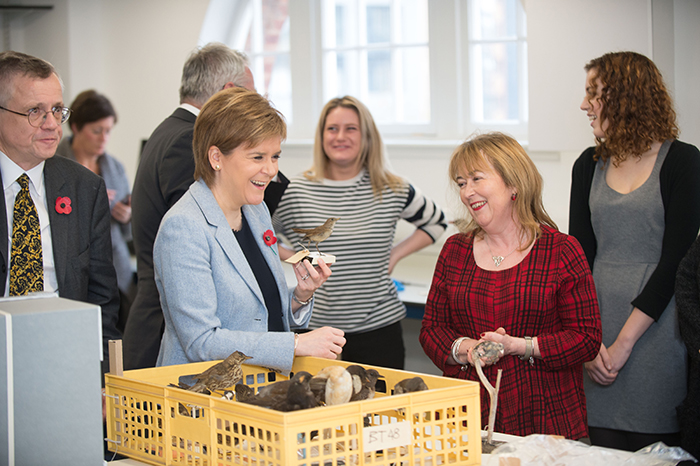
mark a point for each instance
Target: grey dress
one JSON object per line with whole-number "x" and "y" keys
{"x": 629, "y": 229}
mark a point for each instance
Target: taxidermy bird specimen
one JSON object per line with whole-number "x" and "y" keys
{"x": 318, "y": 234}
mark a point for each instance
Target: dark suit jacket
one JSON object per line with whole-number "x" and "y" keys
{"x": 82, "y": 246}
{"x": 165, "y": 172}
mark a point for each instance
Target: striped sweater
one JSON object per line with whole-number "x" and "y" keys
{"x": 359, "y": 296}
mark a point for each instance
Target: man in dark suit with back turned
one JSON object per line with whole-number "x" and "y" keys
{"x": 165, "y": 172}
{"x": 70, "y": 250}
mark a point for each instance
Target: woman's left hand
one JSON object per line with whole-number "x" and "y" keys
{"x": 618, "y": 355}
{"x": 600, "y": 369}
{"x": 500, "y": 336}
{"x": 310, "y": 278}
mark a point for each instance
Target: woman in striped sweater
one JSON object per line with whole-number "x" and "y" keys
{"x": 349, "y": 180}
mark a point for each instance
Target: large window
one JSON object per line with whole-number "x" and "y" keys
{"x": 377, "y": 50}
{"x": 267, "y": 47}
{"x": 426, "y": 69}
{"x": 497, "y": 57}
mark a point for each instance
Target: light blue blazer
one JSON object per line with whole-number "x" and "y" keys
{"x": 211, "y": 301}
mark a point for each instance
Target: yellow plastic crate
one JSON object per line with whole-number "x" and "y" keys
{"x": 157, "y": 424}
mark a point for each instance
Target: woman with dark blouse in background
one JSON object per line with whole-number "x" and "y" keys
{"x": 635, "y": 209}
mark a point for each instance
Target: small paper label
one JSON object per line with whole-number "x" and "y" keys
{"x": 387, "y": 436}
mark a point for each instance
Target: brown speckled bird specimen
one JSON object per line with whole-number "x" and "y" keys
{"x": 318, "y": 234}
{"x": 364, "y": 382}
{"x": 413, "y": 384}
{"x": 332, "y": 385}
{"x": 244, "y": 393}
{"x": 223, "y": 375}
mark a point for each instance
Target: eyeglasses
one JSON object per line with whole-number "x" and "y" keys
{"x": 37, "y": 116}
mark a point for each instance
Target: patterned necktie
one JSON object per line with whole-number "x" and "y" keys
{"x": 27, "y": 262}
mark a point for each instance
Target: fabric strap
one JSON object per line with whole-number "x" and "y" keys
{"x": 26, "y": 259}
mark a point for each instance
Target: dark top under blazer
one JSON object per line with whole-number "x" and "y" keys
{"x": 82, "y": 245}
{"x": 680, "y": 194}
{"x": 165, "y": 172}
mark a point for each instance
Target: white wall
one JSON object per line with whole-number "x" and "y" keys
{"x": 687, "y": 60}
{"x": 562, "y": 37}
{"x": 133, "y": 51}
{"x": 130, "y": 50}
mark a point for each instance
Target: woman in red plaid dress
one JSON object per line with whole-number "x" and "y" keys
{"x": 511, "y": 277}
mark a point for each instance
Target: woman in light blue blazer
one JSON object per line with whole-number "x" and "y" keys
{"x": 217, "y": 269}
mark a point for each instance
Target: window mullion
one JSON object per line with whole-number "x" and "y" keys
{"x": 447, "y": 99}
{"x": 305, "y": 66}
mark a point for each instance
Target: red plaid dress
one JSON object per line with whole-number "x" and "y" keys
{"x": 549, "y": 295}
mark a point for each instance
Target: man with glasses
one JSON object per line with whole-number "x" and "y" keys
{"x": 165, "y": 172}
{"x": 56, "y": 230}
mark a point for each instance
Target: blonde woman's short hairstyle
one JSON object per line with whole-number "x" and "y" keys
{"x": 233, "y": 118}
{"x": 510, "y": 161}
{"x": 372, "y": 155}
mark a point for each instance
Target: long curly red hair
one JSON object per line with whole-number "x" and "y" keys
{"x": 636, "y": 104}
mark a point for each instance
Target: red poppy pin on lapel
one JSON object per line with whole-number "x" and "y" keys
{"x": 63, "y": 205}
{"x": 270, "y": 239}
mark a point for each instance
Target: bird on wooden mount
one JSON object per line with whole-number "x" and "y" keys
{"x": 318, "y": 234}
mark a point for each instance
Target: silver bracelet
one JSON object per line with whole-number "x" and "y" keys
{"x": 303, "y": 303}
{"x": 455, "y": 348}
{"x": 528, "y": 351}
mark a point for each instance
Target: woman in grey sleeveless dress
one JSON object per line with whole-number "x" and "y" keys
{"x": 635, "y": 208}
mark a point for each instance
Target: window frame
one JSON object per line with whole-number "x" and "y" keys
{"x": 449, "y": 67}
{"x": 518, "y": 129}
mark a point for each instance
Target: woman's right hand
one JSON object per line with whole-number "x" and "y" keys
{"x": 464, "y": 352}
{"x": 599, "y": 370}
{"x": 324, "y": 342}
